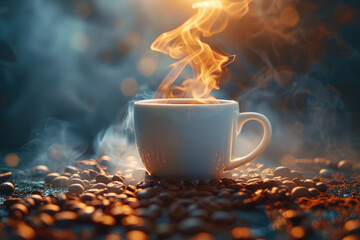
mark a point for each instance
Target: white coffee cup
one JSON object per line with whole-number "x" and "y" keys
{"x": 188, "y": 138}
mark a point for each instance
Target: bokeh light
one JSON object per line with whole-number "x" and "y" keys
{"x": 12, "y": 160}
{"x": 129, "y": 86}
{"x": 80, "y": 42}
{"x": 289, "y": 17}
{"x": 82, "y": 10}
{"x": 146, "y": 66}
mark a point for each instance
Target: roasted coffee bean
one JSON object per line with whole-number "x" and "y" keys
{"x": 146, "y": 193}
{"x": 75, "y": 175}
{"x": 190, "y": 183}
{"x": 104, "y": 220}
{"x": 98, "y": 186}
{"x": 71, "y": 169}
{"x": 296, "y": 174}
{"x": 289, "y": 184}
{"x": 20, "y": 230}
{"x": 225, "y": 204}
{"x": 102, "y": 179}
{"x": 282, "y": 171}
{"x": 205, "y": 193}
{"x": 115, "y": 187}
{"x": 6, "y": 189}
{"x": 61, "y": 198}
{"x": 352, "y": 226}
{"x": 40, "y": 171}
{"x": 76, "y": 181}
{"x": 190, "y": 193}
{"x": 104, "y": 160}
{"x": 37, "y": 198}
{"x": 60, "y": 181}
{"x": 215, "y": 182}
{"x": 92, "y": 174}
{"x": 84, "y": 175}
{"x": 117, "y": 178}
{"x": 223, "y": 194}
{"x": 209, "y": 188}
{"x": 345, "y": 165}
{"x": 88, "y": 196}
{"x": 309, "y": 183}
{"x": 300, "y": 192}
{"x": 49, "y": 209}
{"x": 321, "y": 186}
{"x": 164, "y": 231}
{"x": 145, "y": 213}
{"x": 133, "y": 222}
{"x": 325, "y": 173}
{"x": 85, "y": 214}
{"x": 121, "y": 211}
{"x": 65, "y": 218}
{"x": 199, "y": 213}
{"x": 12, "y": 200}
{"x": 192, "y": 226}
{"x": 222, "y": 217}
{"x": 331, "y": 165}
{"x": 5, "y": 176}
{"x": 76, "y": 188}
{"x": 314, "y": 192}
{"x": 18, "y": 210}
{"x": 177, "y": 212}
{"x": 137, "y": 235}
{"x": 45, "y": 220}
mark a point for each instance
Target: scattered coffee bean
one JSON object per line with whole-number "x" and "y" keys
{"x": 298, "y": 192}
{"x": 282, "y": 171}
{"x": 18, "y": 210}
{"x": 102, "y": 179}
{"x": 76, "y": 188}
{"x": 164, "y": 231}
{"x": 99, "y": 186}
{"x": 321, "y": 186}
{"x": 314, "y": 192}
{"x": 136, "y": 235}
{"x": 60, "y": 181}
{"x": 325, "y": 173}
{"x": 50, "y": 177}
{"x": 192, "y": 226}
{"x": 40, "y": 171}
{"x": 5, "y": 176}
{"x": 6, "y": 189}
{"x": 345, "y": 165}
{"x": 49, "y": 209}
{"x": 71, "y": 169}
{"x": 289, "y": 184}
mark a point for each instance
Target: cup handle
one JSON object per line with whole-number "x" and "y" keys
{"x": 242, "y": 118}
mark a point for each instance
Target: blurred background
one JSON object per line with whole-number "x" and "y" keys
{"x": 68, "y": 70}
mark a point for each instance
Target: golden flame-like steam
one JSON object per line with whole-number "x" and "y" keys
{"x": 184, "y": 43}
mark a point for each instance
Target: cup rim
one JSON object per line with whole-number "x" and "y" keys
{"x": 184, "y": 102}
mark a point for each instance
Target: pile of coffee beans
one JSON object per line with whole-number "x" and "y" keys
{"x": 96, "y": 203}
